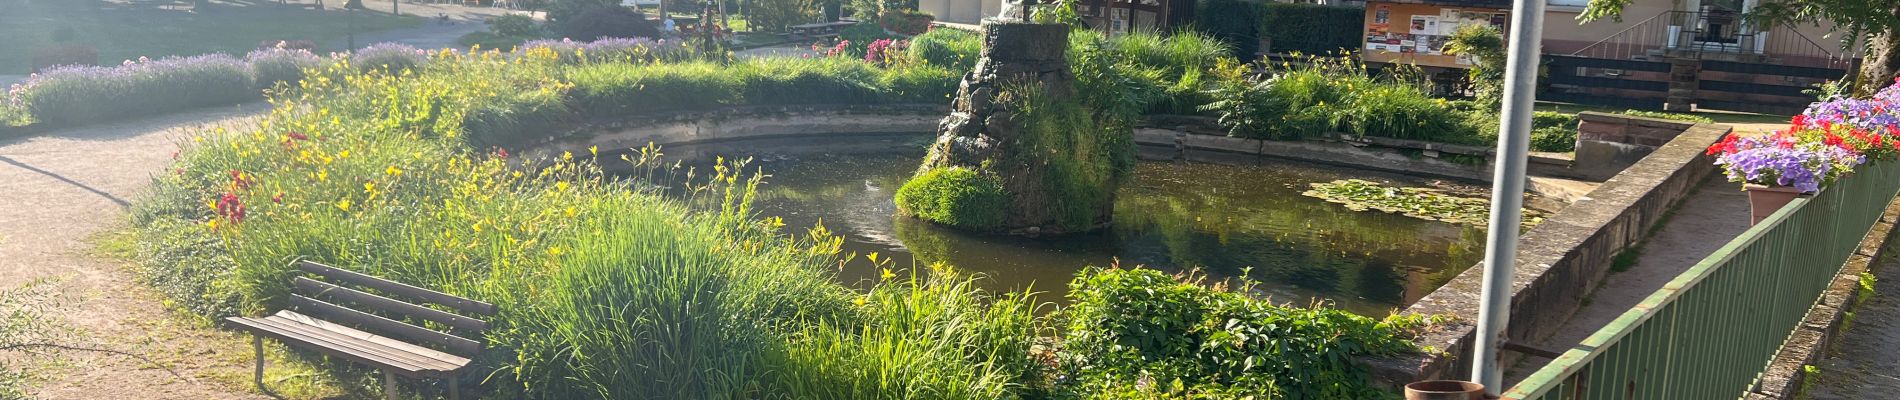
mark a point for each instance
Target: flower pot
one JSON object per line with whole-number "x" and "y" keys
{"x": 1764, "y": 200}
{"x": 1444, "y": 390}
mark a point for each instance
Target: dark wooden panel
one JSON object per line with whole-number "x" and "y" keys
{"x": 1587, "y": 62}
{"x": 1773, "y": 69}
{"x": 1608, "y": 83}
{"x": 397, "y": 289}
{"x": 1756, "y": 88}
{"x": 1609, "y": 101}
{"x": 1764, "y": 108}
{"x": 385, "y": 326}
{"x": 334, "y": 293}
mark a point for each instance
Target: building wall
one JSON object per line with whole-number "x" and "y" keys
{"x": 1564, "y": 33}
{"x": 1411, "y": 32}
{"x": 961, "y": 11}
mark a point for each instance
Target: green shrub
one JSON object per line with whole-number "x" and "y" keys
{"x": 1554, "y": 139}
{"x": 612, "y": 89}
{"x": 1133, "y": 325}
{"x": 1691, "y": 118}
{"x": 1553, "y": 119}
{"x": 858, "y": 37}
{"x": 606, "y": 22}
{"x": 1404, "y": 112}
{"x": 955, "y": 49}
{"x": 517, "y": 25}
{"x": 1293, "y": 27}
{"x": 784, "y": 81}
{"x": 920, "y": 84}
{"x": 778, "y": 15}
{"x": 955, "y": 196}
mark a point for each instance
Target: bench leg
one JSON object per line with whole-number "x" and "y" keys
{"x": 257, "y": 343}
{"x": 455, "y": 388}
{"x": 389, "y": 385}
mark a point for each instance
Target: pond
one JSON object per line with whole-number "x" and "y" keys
{"x": 1222, "y": 220}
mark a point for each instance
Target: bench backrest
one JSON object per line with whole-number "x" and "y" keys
{"x": 323, "y": 299}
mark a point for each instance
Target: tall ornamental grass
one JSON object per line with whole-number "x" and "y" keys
{"x": 609, "y": 288}
{"x": 80, "y": 94}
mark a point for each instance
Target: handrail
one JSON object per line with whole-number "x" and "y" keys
{"x": 1620, "y": 33}
{"x": 1710, "y": 331}
{"x": 1677, "y": 32}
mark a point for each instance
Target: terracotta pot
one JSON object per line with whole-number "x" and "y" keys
{"x": 1444, "y": 390}
{"x": 1764, "y": 200}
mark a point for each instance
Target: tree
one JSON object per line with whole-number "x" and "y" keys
{"x": 1877, "y": 22}
{"x": 1484, "y": 44}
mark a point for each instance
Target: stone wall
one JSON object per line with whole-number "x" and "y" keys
{"x": 1561, "y": 260}
{"x": 1608, "y": 143}
{"x": 1392, "y": 155}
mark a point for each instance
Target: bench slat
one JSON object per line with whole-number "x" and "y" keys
{"x": 317, "y": 308}
{"x": 334, "y": 293}
{"x": 349, "y": 346}
{"x": 356, "y": 343}
{"x": 397, "y": 289}
{"x": 421, "y": 353}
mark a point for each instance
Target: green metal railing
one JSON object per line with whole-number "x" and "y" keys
{"x": 1712, "y": 330}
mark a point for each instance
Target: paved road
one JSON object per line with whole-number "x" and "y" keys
{"x": 1865, "y": 360}
{"x": 445, "y": 23}
{"x": 1716, "y": 213}
{"x": 61, "y": 191}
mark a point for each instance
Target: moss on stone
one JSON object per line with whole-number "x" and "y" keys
{"x": 955, "y": 196}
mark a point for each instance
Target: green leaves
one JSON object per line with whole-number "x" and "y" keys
{"x": 1131, "y": 326}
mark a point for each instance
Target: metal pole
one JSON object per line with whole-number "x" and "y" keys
{"x": 1507, "y": 190}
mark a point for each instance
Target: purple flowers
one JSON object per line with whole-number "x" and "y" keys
{"x": 280, "y": 64}
{"x": 392, "y": 57}
{"x": 1783, "y": 160}
{"x": 72, "y": 94}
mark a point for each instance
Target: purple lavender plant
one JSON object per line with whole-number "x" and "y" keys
{"x": 74, "y": 94}
{"x": 1874, "y": 114}
{"x": 391, "y": 57}
{"x": 280, "y": 64}
{"x": 1781, "y": 160}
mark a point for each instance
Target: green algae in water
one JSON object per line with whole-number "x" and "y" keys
{"x": 1417, "y": 202}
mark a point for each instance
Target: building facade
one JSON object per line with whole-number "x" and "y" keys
{"x": 1663, "y": 54}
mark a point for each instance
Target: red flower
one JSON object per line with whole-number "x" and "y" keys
{"x": 239, "y": 181}
{"x": 279, "y": 198}
{"x": 501, "y": 152}
{"x": 297, "y": 135}
{"x": 230, "y": 207}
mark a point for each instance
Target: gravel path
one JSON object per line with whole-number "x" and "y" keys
{"x": 1864, "y": 362}
{"x": 61, "y": 191}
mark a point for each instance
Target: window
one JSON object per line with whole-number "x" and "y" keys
{"x": 1569, "y": 3}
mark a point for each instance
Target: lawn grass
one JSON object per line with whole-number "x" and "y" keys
{"x": 122, "y": 32}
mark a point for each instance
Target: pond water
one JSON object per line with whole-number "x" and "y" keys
{"x": 1220, "y": 219}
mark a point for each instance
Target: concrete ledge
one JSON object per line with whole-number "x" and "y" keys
{"x": 1560, "y": 261}
{"x": 1810, "y": 341}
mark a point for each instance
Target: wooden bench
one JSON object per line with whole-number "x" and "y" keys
{"x": 317, "y": 321}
